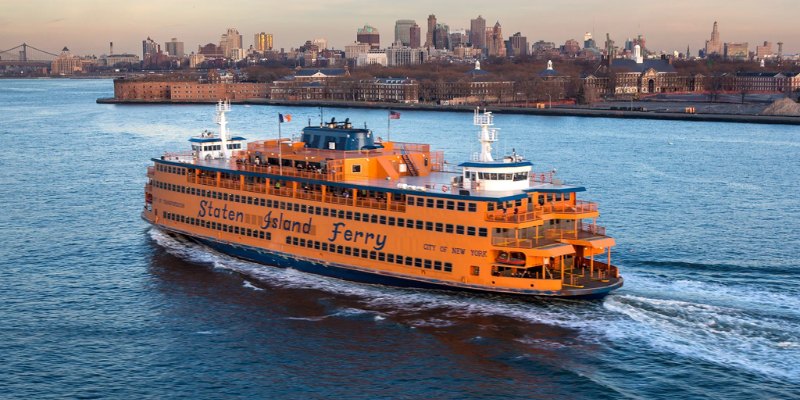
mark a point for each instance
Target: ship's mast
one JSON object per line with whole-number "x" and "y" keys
{"x": 488, "y": 135}
{"x": 222, "y": 121}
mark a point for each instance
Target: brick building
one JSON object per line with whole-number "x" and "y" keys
{"x": 162, "y": 90}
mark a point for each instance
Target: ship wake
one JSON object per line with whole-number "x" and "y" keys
{"x": 694, "y": 322}
{"x": 742, "y": 327}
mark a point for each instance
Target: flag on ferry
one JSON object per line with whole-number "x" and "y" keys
{"x": 394, "y": 115}
{"x": 284, "y": 118}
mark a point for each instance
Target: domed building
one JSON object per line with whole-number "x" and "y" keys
{"x": 66, "y": 63}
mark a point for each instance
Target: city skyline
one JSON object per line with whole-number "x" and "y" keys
{"x": 667, "y": 26}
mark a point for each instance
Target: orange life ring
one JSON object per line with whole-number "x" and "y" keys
{"x": 445, "y": 188}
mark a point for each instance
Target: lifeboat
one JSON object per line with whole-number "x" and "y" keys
{"x": 513, "y": 258}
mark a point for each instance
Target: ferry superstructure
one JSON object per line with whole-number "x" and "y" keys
{"x": 338, "y": 202}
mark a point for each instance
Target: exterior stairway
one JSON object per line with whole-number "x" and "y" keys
{"x": 412, "y": 170}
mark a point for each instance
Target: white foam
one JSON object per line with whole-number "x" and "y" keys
{"x": 431, "y": 323}
{"x": 311, "y": 319}
{"x": 721, "y": 335}
{"x": 744, "y": 296}
{"x": 249, "y": 285}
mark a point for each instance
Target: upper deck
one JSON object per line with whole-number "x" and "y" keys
{"x": 339, "y": 155}
{"x": 378, "y": 168}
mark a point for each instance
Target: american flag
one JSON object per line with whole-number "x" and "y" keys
{"x": 394, "y": 115}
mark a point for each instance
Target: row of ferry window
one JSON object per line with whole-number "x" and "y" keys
{"x": 371, "y": 254}
{"x": 441, "y": 204}
{"x": 170, "y": 169}
{"x": 326, "y": 212}
{"x": 254, "y": 233}
{"x": 214, "y": 147}
{"x": 494, "y": 176}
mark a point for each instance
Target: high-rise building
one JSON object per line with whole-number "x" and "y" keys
{"x": 231, "y": 43}
{"x": 431, "y": 30}
{"x": 736, "y": 51}
{"x": 518, "y": 45}
{"x": 764, "y": 51}
{"x": 714, "y": 46}
{"x": 351, "y": 51}
{"x": 321, "y": 43}
{"x": 415, "y": 37}
{"x": 458, "y": 37}
{"x": 372, "y": 57}
{"x": 441, "y": 36}
{"x": 571, "y": 48}
{"x": 610, "y": 48}
{"x": 640, "y": 40}
{"x": 477, "y": 32}
{"x": 174, "y": 48}
{"x": 149, "y": 47}
{"x": 494, "y": 41}
{"x": 369, "y": 35}
{"x": 402, "y": 31}
{"x": 542, "y": 47}
{"x": 398, "y": 54}
{"x": 262, "y": 42}
{"x": 629, "y": 45}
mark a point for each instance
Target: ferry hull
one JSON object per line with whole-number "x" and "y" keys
{"x": 350, "y": 273}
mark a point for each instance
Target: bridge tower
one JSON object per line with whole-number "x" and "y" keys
{"x": 23, "y": 54}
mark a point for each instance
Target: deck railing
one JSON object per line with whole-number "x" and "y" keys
{"x": 321, "y": 175}
{"x": 525, "y": 243}
{"x": 580, "y": 207}
{"x": 181, "y": 156}
{"x": 280, "y": 191}
{"x": 599, "y": 270}
{"x": 255, "y": 187}
{"x": 549, "y": 236}
{"x": 542, "y": 177}
{"x": 592, "y": 228}
{"x": 558, "y": 234}
{"x": 512, "y": 217}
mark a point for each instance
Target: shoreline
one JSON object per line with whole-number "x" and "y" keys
{"x": 560, "y": 111}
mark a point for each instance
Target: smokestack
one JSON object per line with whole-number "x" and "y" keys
{"x": 110, "y": 48}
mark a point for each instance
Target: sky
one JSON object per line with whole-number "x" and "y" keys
{"x": 87, "y": 26}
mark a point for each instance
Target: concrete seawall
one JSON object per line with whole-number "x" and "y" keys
{"x": 558, "y": 111}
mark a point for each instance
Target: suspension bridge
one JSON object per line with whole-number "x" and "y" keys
{"x": 25, "y": 55}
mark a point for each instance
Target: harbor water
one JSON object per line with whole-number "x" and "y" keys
{"x": 94, "y": 303}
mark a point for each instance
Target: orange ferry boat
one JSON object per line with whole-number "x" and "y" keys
{"x": 339, "y": 203}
